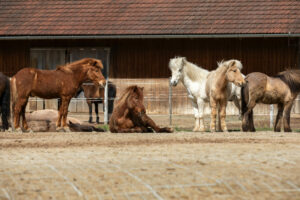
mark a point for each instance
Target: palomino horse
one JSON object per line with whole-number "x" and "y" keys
{"x": 194, "y": 80}
{"x": 60, "y": 83}
{"x": 95, "y": 94}
{"x": 4, "y": 100}
{"x": 217, "y": 90}
{"x": 281, "y": 90}
{"x": 129, "y": 115}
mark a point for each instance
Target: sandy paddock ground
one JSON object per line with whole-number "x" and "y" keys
{"x": 262, "y": 165}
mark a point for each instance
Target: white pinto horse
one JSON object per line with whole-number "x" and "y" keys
{"x": 194, "y": 80}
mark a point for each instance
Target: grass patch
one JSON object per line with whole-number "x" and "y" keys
{"x": 105, "y": 127}
{"x": 264, "y": 129}
{"x": 180, "y": 129}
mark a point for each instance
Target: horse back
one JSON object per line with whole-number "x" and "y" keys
{"x": 44, "y": 83}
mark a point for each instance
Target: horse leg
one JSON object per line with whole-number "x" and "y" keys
{"x": 247, "y": 123}
{"x": 59, "y": 117}
{"x": 17, "y": 111}
{"x": 201, "y": 105}
{"x": 222, "y": 114}
{"x": 65, "y": 106}
{"x": 219, "y": 118}
{"x": 196, "y": 113}
{"x": 24, "y": 122}
{"x": 213, "y": 115}
{"x": 90, "y": 111}
{"x": 4, "y": 121}
{"x": 237, "y": 104}
{"x": 96, "y": 111}
{"x": 286, "y": 116}
{"x": 277, "y": 126}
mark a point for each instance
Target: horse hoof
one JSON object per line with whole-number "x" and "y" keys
{"x": 59, "y": 129}
{"x": 202, "y": 129}
{"x": 29, "y": 130}
{"x": 67, "y": 129}
{"x": 19, "y": 130}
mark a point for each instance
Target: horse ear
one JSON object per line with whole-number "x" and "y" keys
{"x": 232, "y": 64}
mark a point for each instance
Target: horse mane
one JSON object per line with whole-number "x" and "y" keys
{"x": 228, "y": 63}
{"x": 70, "y": 67}
{"x": 128, "y": 91}
{"x": 193, "y": 71}
{"x": 292, "y": 78}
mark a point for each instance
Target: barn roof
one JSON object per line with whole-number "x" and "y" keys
{"x": 148, "y": 17}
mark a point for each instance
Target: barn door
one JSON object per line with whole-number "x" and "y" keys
{"x": 99, "y": 53}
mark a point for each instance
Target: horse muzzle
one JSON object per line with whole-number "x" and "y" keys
{"x": 102, "y": 83}
{"x": 174, "y": 83}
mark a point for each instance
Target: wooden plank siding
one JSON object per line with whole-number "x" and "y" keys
{"x": 145, "y": 62}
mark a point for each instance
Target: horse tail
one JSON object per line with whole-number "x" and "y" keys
{"x": 13, "y": 97}
{"x": 244, "y": 91}
{"x": 5, "y": 104}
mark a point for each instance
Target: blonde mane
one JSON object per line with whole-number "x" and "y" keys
{"x": 193, "y": 71}
{"x": 227, "y": 63}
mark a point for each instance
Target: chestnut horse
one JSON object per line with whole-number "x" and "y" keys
{"x": 60, "y": 83}
{"x": 4, "y": 100}
{"x": 217, "y": 90}
{"x": 281, "y": 90}
{"x": 95, "y": 94}
{"x": 129, "y": 115}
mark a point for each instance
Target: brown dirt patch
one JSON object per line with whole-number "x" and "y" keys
{"x": 262, "y": 165}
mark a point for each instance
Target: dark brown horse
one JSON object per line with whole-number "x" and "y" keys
{"x": 129, "y": 115}
{"x": 4, "y": 100}
{"x": 95, "y": 94}
{"x": 60, "y": 83}
{"x": 281, "y": 90}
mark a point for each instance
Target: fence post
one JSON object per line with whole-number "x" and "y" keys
{"x": 271, "y": 115}
{"x": 170, "y": 102}
{"x": 106, "y": 88}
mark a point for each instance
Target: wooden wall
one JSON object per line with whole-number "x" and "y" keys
{"x": 145, "y": 61}
{"x": 149, "y": 58}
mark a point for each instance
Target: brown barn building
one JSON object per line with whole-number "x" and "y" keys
{"x": 136, "y": 39}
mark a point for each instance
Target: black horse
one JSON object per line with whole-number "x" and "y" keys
{"x": 4, "y": 100}
{"x": 95, "y": 95}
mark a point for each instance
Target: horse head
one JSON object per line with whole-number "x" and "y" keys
{"x": 233, "y": 73}
{"x": 94, "y": 72}
{"x": 135, "y": 100}
{"x": 176, "y": 66}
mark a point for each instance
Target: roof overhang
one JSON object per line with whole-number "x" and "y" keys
{"x": 146, "y": 36}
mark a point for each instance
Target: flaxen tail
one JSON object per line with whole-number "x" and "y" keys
{"x": 13, "y": 98}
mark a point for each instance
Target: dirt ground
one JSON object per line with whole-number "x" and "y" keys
{"x": 182, "y": 165}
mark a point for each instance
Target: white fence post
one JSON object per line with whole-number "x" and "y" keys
{"x": 106, "y": 89}
{"x": 170, "y": 102}
{"x": 271, "y": 115}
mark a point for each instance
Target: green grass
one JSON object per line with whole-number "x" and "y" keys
{"x": 104, "y": 127}
{"x": 180, "y": 129}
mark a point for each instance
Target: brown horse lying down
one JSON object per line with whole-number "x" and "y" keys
{"x": 129, "y": 114}
{"x": 44, "y": 121}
